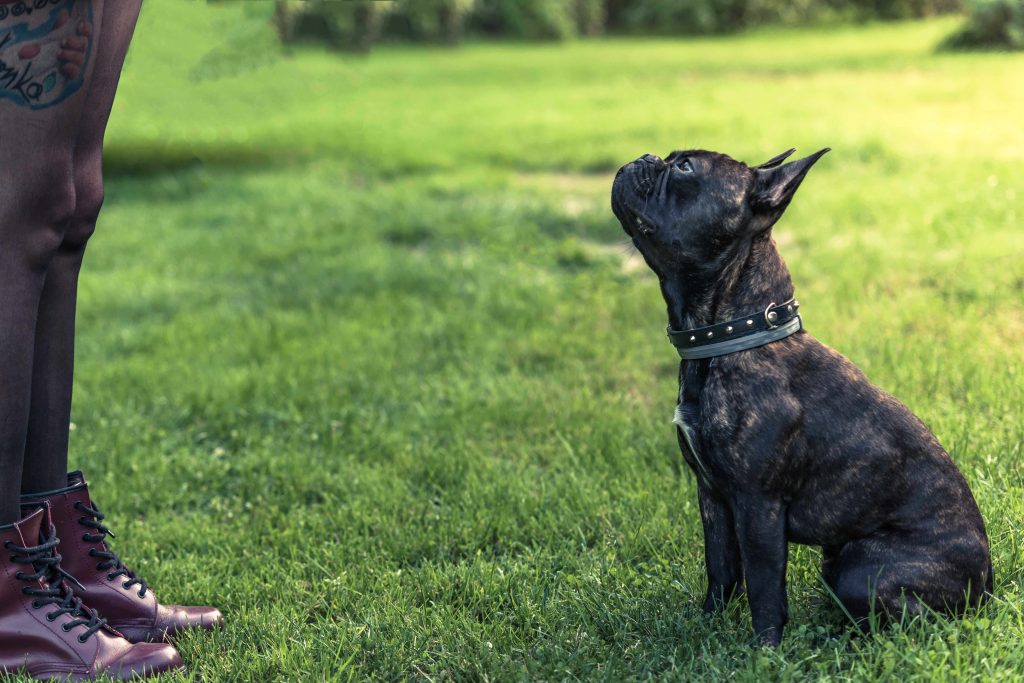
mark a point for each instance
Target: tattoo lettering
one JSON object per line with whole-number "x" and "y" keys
{"x": 43, "y": 56}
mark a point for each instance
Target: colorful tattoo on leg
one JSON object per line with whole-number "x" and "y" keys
{"x": 44, "y": 50}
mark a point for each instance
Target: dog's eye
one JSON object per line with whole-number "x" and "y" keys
{"x": 685, "y": 167}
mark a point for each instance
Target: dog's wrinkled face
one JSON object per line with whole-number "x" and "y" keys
{"x": 691, "y": 212}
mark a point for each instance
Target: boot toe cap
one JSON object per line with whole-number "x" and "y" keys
{"x": 205, "y": 618}
{"x": 147, "y": 659}
{"x": 172, "y": 619}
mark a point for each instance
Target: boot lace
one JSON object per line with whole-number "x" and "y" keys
{"x": 46, "y": 563}
{"x": 93, "y": 519}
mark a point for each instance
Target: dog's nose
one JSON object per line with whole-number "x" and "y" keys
{"x": 654, "y": 160}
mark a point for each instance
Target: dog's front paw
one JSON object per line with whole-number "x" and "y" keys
{"x": 718, "y": 596}
{"x": 713, "y": 604}
{"x": 770, "y": 637}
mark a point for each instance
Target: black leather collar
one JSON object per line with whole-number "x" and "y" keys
{"x": 775, "y": 322}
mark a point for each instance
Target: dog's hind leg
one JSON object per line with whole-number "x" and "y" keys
{"x": 830, "y": 564}
{"x": 890, "y": 574}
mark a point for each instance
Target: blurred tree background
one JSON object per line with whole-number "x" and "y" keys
{"x": 359, "y": 24}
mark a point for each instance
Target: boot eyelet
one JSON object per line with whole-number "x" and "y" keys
{"x": 85, "y": 537}
{"x": 141, "y": 594}
{"x": 64, "y": 627}
{"x": 111, "y": 577}
{"x": 20, "y": 576}
{"x": 92, "y": 552}
{"x": 99, "y": 567}
{"x": 82, "y": 638}
{"x": 36, "y": 604}
{"x": 126, "y": 585}
{"x": 50, "y": 616}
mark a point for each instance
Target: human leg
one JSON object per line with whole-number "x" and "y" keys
{"x": 122, "y": 597}
{"x": 45, "y": 64}
{"x": 47, "y": 55}
{"x": 46, "y": 450}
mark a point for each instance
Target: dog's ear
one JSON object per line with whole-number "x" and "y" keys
{"x": 776, "y": 160}
{"x": 775, "y": 185}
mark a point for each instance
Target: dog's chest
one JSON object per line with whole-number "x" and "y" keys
{"x": 684, "y": 420}
{"x": 692, "y": 378}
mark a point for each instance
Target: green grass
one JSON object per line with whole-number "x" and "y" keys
{"x": 365, "y": 360}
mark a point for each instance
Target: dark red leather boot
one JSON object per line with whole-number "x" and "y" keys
{"x": 45, "y": 630}
{"x": 125, "y": 600}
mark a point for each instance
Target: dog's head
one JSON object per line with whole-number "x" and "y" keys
{"x": 690, "y": 213}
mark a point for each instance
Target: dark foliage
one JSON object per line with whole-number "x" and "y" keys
{"x": 991, "y": 24}
{"x": 357, "y": 24}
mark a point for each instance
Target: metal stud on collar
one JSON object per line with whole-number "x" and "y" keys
{"x": 780, "y": 321}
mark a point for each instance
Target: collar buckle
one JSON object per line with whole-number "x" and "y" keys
{"x": 777, "y": 321}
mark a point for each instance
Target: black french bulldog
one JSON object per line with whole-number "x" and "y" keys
{"x": 789, "y": 440}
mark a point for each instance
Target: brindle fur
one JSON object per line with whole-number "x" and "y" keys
{"x": 797, "y": 445}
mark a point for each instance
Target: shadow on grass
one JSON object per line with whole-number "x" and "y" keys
{"x": 128, "y": 159}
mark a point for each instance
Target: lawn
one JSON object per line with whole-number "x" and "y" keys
{"x": 365, "y": 360}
